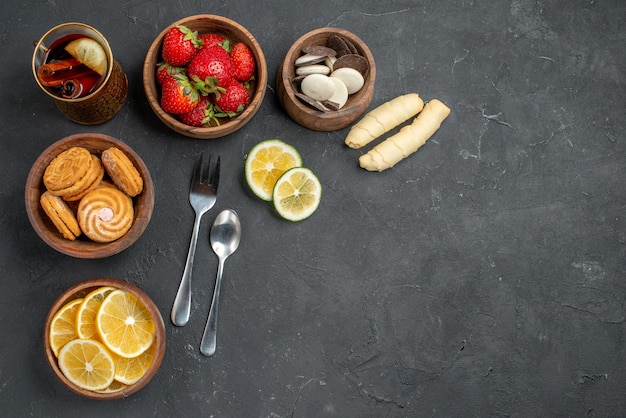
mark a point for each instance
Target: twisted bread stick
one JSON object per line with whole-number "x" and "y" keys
{"x": 408, "y": 140}
{"x": 383, "y": 119}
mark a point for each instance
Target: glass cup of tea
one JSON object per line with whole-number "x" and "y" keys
{"x": 73, "y": 64}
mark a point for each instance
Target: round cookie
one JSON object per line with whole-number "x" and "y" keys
{"x": 66, "y": 169}
{"x": 61, "y": 215}
{"x": 105, "y": 214}
{"x": 122, "y": 171}
{"x": 339, "y": 44}
{"x": 89, "y": 182}
{"x": 105, "y": 183}
{"x": 353, "y": 79}
{"x": 72, "y": 173}
{"x": 356, "y": 61}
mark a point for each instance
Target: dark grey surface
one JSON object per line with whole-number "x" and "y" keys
{"x": 483, "y": 276}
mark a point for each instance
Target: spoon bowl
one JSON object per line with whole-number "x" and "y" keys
{"x": 225, "y": 236}
{"x": 225, "y": 233}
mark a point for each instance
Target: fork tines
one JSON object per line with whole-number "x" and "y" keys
{"x": 205, "y": 176}
{"x": 215, "y": 176}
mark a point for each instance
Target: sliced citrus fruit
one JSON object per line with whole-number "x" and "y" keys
{"x": 87, "y": 364}
{"x": 125, "y": 324}
{"x": 88, "y": 310}
{"x": 266, "y": 162}
{"x": 115, "y": 386}
{"x": 297, "y": 194}
{"x": 63, "y": 326}
{"x": 130, "y": 370}
{"x": 88, "y": 52}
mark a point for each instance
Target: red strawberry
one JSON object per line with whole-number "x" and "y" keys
{"x": 179, "y": 45}
{"x": 165, "y": 70}
{"x": 178, "y": 95}
{"x": 243, "y": 59}
{"x": 201, "y": 115}
{"x": 211, "y": 39}
{"x": 213, "y": 66}
{"x": 234, "y": 100}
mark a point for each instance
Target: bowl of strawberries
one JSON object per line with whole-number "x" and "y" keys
{"x": 205, "y": 76}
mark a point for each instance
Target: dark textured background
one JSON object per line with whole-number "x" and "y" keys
{"x": 483, "y": 276}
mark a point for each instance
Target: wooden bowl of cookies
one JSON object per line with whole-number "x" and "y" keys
{"x": 89, "y": 195}
{"x": 79, "y": 320}
{"x": 215, "y": 127}
{"x": 324, "y": 55}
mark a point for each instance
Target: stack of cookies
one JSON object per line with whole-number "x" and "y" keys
{"x": 326, "y": 75}
{"x": 91, "y": 195}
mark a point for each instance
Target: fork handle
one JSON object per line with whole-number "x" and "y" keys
{"x": 182, "y": 302}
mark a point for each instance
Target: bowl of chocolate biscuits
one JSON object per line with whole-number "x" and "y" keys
{"x": 89, "y": 195}
{"x": 326, "y": 79}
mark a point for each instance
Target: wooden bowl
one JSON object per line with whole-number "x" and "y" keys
{"x": 304, "y": 114}
{"x": 82, "y": 247}
{"x": 235, "y": 33}
{"x": 82, "y": 289}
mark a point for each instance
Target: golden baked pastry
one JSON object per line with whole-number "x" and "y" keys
{"x": 105, "y": 183}
{"x": 67, "y": 168}
{"x": 89, "y": 181}
{"x": 61, "y": 215}
{"x": 72, "y": 172}
{"x": 105, "y": 214}
{"x": 122, "y": 171}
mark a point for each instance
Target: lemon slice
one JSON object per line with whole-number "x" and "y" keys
{"x": 297, "y": 194}
{"x": 266, "y": 162}
{"x": 130, "y": 370}
{"x": 115, "y": 386}
{"x": 125, "y": 324}
{"x": 63, "y": 326}
{"x": 88, "y": 310}
{"x": 87, "y": 364}
{"x": 88, "y": 52}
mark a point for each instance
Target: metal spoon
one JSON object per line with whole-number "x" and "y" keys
{"x": 224, "y": 236}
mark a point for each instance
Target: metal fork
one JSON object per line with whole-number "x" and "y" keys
{"x": 202, "y": 196}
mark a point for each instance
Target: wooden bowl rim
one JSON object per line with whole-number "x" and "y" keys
{"x": 150, "y": 85}
{"x": 82, "y": 248}
{"x": 287, "y": 71}
{"x": 80, "y": 290}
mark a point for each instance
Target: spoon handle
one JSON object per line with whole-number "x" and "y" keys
{"x": 182, "y": 302}
{"x": 209, "y": 338}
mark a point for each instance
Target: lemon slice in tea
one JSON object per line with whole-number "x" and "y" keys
{"x": 87, "y": 364}
{"x": 297, "y": 194}
{"x": 266, "y": 162}
{"x": 88, "y": 52}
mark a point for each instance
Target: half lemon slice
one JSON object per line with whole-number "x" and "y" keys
{"x": 125, "y": 324}
{"x": 266, "y": 162}
{"x": 86, "y": 327}
{"x": 63, "y": 326}
{"x": 87, "y": 364}
{"x": 297, "y": 194}
{"x": 88, "y": 52}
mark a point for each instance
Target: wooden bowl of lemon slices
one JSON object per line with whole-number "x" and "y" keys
{"x": 89, "y": 346}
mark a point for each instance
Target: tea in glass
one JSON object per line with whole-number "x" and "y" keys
{"x": 73, "y": 64}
